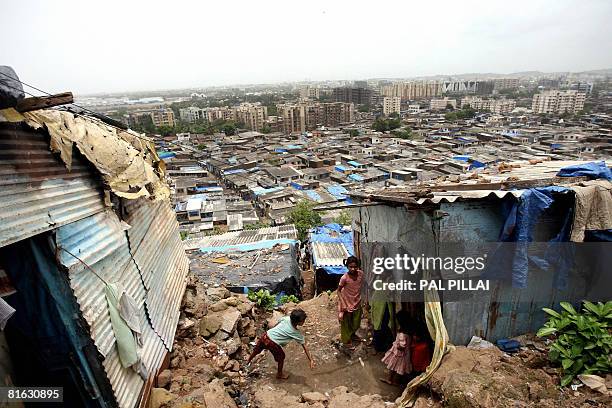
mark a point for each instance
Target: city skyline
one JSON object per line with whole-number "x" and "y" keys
{"x": 142, "y": 46}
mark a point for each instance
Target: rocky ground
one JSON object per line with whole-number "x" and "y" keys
{"x": 217, "y": 330}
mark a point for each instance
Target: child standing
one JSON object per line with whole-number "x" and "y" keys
{"x": 349, "y": 300}
{"x": 398, "y": 357}
{"x": 278, "y": 336}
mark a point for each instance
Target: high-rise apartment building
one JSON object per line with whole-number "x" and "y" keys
{"x": 358, "y": 96}
{"x": 163, "y": 117}
{"x": 499, "y": 106}
{"x": 467, "y": 87}
{"x": 191, "y": 114}
{"x": 310, "y": 92}
{"x": 558, "y": 102}
{"x": 413, "y": 90}
{"x": 253, "y": 115}
{"x": 441, "y": 104}
{"x": 500, "y": 84}
{"x": 391, "y": 104}
{"x": 304, "y": 116}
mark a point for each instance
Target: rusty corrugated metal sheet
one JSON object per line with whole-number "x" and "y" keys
{"x": 160, "y": 255}
{"x": 101, "y": 242}
{"x": 37, "y": 192}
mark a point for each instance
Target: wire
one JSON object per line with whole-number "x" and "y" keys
{"x": 73, "y": 104}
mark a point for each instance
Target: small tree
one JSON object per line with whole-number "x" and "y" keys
{"x": 304, "y": 217}
{"x": 344, "y": 218}
{"x": 354, "y": 132}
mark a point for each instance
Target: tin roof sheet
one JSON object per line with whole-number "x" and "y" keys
{"x": 37, "y": 192}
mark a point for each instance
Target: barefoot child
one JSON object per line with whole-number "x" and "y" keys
{"x": 349, "y": 300}
{"x": 397, "y": 358}
{"x": 278, "y": 336}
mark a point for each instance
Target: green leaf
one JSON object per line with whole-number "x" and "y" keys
{"x": 551, "y": 312}
{"x": 568, "y": 307}
{"x": 566, "y": 363}
{"x": 546, "y": 331}
{"x": 566, "y": 379}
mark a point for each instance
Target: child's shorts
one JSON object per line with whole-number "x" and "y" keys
{"x": 264, "y": 342}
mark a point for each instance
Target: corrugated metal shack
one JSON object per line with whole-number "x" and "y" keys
{"x": 84, "y": 204}
{"x": 427, "y": 218}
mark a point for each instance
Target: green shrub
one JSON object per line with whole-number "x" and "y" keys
{"x": 583, "y": 341}
{"x": 288, "y": 298}
{"x": 262, "y": 298}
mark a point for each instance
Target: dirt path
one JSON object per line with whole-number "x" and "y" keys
{"x": 334, "y": 368}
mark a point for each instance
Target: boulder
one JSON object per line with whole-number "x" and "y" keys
{"x": 314, "y": 397}
{"x": 210, "y": 324}
{"x": 216, "y": 294}
{"x": 232, "y": 301}
{"x": 218, "y": 306}
{"x": 159, "y": 397}
{"x": 164, "y": 378}
{"x": 245, "y": 307}
{"x": 230, "y": 320}
{"x": 217, "y": 397}
{"x": 232, "y": 346}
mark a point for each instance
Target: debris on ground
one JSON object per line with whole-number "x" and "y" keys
{"x": 488, "y": 377}
{"x": 217, "y": 329}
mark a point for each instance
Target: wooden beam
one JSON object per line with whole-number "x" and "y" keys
{"x": 41, "y": 102}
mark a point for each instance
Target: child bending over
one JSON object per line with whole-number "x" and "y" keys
{"x": 278, "y": 336}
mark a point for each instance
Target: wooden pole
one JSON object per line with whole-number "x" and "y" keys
{"x": 41, "y": 102}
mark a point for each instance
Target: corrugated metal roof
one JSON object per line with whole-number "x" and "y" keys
{"x": 37, "y": 192}
{"x": 452, "y": 196}
{"x": 160, "y": 255}
{"x": 329, "y": 253}
{"x": 243, "y": 237}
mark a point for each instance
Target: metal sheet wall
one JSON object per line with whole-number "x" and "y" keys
{"x": 37, "y": 192}
{"x": 101, "y": 242}
{"x": 159, "y": 253}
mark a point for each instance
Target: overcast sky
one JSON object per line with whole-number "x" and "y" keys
{"x": 98, "y": 46}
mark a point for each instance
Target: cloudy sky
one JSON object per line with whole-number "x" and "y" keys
{"x": 99, "y": 46}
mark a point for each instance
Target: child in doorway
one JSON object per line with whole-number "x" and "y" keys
{"x": 398, "y": 357}
{"x": 278, "y": 336}
{"x": 349, "y": 300}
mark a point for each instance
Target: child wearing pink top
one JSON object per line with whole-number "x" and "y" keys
{"x": 349, "y": 300}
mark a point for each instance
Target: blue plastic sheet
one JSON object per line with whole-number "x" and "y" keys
{"x": 356, "y": 177}
{"x": 592, "y": 170}
{"x": 337, "y": 191}
{"x": 519, "y": 226}
{"x": 324, "y": 234}
{"x": 313, "y": 195}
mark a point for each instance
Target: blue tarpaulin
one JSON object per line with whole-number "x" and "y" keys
{"x": 260, "y": 190}
{"x": 341, "y": 169}
{"x": 519, "y": 227}
{"x": 461, "y": 158}
{"x": 333, "y": 233}
{"x": 237, "y": 171}
{"x": 355, "y": 177}
{"x": 592, "y": 170}
{"x": 354, "y": 163}
{"x": 296, "y": 185}
{"x": 210, "y": 189}
{"x": 166, "y": 155}
{"x": 337, "y": 191}
{"x": 313, "y": 195}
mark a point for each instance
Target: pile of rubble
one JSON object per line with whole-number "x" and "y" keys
{"x": 339, "y": 397}
{"x": 205, "y": 365}
{"x": 215, "y": 333}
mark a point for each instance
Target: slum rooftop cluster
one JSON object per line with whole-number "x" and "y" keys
{"x": 243, "y": 179}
